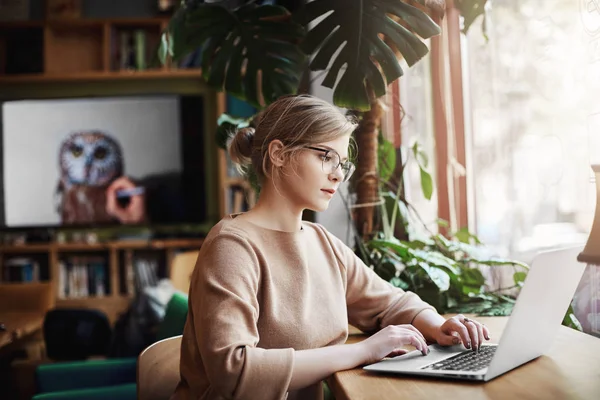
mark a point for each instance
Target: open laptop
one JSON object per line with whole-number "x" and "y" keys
{"x": 529, "y": 332}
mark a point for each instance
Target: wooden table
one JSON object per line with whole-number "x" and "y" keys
{"x": 569, "y": 370}
{"x": 18, "y": 325}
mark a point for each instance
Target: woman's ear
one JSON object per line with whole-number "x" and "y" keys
{"x": 276, "y": 153}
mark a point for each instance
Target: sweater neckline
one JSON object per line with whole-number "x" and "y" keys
{"x": 233, "y": 217}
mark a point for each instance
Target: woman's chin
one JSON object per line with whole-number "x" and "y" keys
{"x": 319, "y": 207}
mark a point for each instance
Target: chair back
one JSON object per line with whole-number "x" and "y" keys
{"x": 76, "y": 334}
{"x": 158, "y": 369}
{"x": 182, "y": 267}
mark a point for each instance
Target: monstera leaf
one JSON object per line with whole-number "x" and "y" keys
{"x": 368, "y": 35}
{"x": 471, "y": 10}
{"x": 251, "y": 52}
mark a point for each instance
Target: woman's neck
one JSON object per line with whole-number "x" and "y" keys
{"x": 274, "y": 211}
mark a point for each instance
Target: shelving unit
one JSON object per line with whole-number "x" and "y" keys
{"x": 79, "y": 49}
{"x": 115, "y": 301}
{"x": 80, "y": 58}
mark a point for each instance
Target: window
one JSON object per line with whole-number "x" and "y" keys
{"x": 532, "y": 105}
{"x": 417, "y": 126}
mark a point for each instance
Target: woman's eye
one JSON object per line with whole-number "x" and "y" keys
{"x": 326, "y": 158}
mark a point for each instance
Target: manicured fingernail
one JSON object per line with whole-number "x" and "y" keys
{"x": 468, "y": 345}
{"x": 487, "y": 337}
{"x": 456, "y": 340}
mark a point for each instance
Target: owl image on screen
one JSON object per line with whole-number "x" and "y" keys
{"x": 89, "y": 163}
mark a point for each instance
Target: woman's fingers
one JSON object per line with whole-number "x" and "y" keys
{"x": 473, "y": 335}
{"x": 415, "y": 340}
{"x": 486, "y": 332}
{"x": 397, "y": 352}
{"x": 412, "y": 328}
{"x": 480, "y": 334}
{"x": 458, "y": 326}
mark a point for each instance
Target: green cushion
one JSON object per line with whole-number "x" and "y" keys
{"x": 119, "y": 392}
{"x": 85, "y": 374}
{"x": 175, "y": 316}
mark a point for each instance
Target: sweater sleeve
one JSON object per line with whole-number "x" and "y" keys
{"x": 372, "y": 302}
{"x": 225, "y": 307}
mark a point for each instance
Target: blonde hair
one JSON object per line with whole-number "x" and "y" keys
{"x": 297, "y": 121}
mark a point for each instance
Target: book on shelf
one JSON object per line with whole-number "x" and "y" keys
{"x": 21, "y": 269}
{"x": 82, "y": 277}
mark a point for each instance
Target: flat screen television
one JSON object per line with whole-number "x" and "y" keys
{"x": 103, "y": 161}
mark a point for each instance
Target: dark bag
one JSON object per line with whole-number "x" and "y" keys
{"x": 76, "y": 334}
{"x": 136, "y": 328}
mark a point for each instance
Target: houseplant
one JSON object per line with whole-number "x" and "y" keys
{"x": 261, "y": 50}
{"x": 446, "y": 271}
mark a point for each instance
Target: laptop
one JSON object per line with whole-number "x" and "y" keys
{"x": 536, "y": 317}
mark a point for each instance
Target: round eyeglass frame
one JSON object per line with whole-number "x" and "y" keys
{"x": 347, "y": 166}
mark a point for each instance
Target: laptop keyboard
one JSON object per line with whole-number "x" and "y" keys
{"x": 465, "y": 361}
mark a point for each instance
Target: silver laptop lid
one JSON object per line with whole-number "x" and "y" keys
{"x": 540, "y": 309}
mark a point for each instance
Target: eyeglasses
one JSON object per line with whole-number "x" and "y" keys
{"x": 331, "y": 162}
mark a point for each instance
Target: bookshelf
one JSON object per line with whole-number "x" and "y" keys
{"x": 84, "y": 49}
{"x": 57, "y": 261}
{"x": 81, "y": 58}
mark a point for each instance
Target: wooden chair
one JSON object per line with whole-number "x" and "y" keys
{"x": 158, "y": 369}
{"x": 182, "y": 267}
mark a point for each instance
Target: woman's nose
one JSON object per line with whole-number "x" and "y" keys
{"x": 337, "y": 174}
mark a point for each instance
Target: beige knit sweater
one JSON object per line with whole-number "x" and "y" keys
{"x": 256, "y": 295}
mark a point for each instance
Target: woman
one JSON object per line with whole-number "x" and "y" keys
{"x": 271, "y": 295}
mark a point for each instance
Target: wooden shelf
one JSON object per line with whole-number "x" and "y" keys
{"x": 83, "y": 22}
{"x": 116, "y": 244}
{"x": 102, "y": 76}
{"x": 83, "y": 50}
{"x": 25, "y": 248}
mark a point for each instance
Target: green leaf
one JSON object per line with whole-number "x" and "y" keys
{"x": 416, "y": 244}
{"x": 443, "y": 223}
{"x": 571, "y": 320}
{"x": 386, "y": 270}
{"x": 471, "y": 10}
{"x": 356, "y": 27}
{"x": 473, "y": 277}
{"x": 227, "y": 127}
{"x": 437, "y": 259}
{"x": 438, "y": 276}
{"x": 401, "y": 249}
{"x": 519, "y": 277}
{"x": 386, "y": 160}
{"x": 426, "y": 184}
{"x": 464, "y": 236}
{"x": 251, "y": 52}
{"x": 399, "y": 283}
{"x": 420, "y": 155}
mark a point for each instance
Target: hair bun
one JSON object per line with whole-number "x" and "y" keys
{"x": 240, "y": 148}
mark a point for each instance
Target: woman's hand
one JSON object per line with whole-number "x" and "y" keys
{"x": 460, "y": 329}
{"x": 387, "y": 342}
